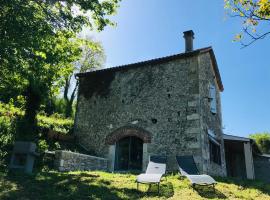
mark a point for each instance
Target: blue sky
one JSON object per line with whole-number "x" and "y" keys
{"x": 149, "y": 29}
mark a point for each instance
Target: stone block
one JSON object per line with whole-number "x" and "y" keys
{"x": 192, "y": 103}
{"x": 194, "y": 145}
{"x": 194, "y": 116}
{"x": 70, "y": 161}
{"x": 193, "y": 131}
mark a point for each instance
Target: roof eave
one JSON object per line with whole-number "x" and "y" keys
{"x": 165, "y": 59}
{"x": 236, "y": 138}
{"x": 152, "y": 61}
{"x": 215, "y": 66}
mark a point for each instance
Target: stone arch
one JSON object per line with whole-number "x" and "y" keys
{"x": 122, "y": 132}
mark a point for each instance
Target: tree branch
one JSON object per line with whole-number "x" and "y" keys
{"x": 254, "y": 39}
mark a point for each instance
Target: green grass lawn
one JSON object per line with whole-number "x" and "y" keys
{"x": 101, "y": 185}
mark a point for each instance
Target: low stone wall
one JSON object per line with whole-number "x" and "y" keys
{"x": 262, "y": 167}
{"x": 70, "y": 161}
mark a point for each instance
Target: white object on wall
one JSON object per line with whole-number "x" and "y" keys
{"x": 213, "y": 99}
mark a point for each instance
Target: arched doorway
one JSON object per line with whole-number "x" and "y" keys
{"x": 129, "y": 153}
{"x": 128, "y": 148}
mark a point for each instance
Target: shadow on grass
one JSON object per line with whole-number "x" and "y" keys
{"x": 62, "y": 186}
{"x": 166, "y": 190}
{"x": 246, "y": 184}
{"x": 89, "y": 175}
{"x": 209, "y": 193}
{"x": 206, "y": 191}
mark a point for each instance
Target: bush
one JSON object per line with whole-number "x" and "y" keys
{"x": 10, "y": 116}
{"x": 55, "y": 122}
{"x": 263, "y": 141}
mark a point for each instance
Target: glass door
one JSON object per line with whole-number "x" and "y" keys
{"x": 129, "y": 152}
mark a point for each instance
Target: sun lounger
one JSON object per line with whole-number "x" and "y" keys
{"x": 188, "y": 168}
{"x": 155, "y": 170}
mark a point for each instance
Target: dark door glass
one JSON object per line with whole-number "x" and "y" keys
{"x": 123, "y": 154}
{"x": 136, "y": 150}
{"x": 129, "y": 154}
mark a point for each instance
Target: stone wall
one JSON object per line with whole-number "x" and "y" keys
{"x": 168, "y": 100}
{"x": 208, "y": 120}
{"x": 262, "y": 167}
{"x": 70, "y": 161}
{"x": 161, "y": 99}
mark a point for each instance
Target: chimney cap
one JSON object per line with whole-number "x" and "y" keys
{"x": 188, "y": 34}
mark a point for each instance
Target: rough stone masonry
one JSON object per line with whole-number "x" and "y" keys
{"x": 70, "y": 161}
{"x": 165, "y": 102}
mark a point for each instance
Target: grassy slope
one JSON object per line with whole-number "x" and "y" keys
{"x": 101, "y": 185}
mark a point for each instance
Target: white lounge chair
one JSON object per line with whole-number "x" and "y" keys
{"x": 155, "y": 170}
{"x": 188, "y": 168}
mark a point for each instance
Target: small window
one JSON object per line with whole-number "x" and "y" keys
{"x": 215, "y": 152}
{"x": 213, "y": 99}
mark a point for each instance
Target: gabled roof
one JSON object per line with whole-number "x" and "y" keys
{"x": 164, "y": 60}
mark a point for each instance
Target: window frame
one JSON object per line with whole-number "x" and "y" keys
{"x": 215, "y": 152}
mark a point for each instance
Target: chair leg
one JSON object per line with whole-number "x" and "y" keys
{"x": 149, "y": 188}
{"x": 193, "y": 186}
{"x": 214, "y": 188}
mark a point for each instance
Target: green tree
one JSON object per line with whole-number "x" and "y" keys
{"x": 263, "y": 141}
{"x": 38, "y": 45}
{"x": 255, "y": 14}
{"x": 92, "y": 57}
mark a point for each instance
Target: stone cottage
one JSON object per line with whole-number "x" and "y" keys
{"x": 165, "y": 106}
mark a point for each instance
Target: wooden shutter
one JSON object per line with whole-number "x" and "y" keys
{"x": 213, "y": 102}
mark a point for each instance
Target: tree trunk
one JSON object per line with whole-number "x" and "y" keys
{"x": 68, "y": 112}
{"x": 28, "y": 126}
{"x": 66, "y": 88}
{"x": 69, "y": 100}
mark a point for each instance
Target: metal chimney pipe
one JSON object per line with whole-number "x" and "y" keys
{"x": 189, "y": 36}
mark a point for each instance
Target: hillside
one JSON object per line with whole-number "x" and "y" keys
{"x": 101, "y": 185}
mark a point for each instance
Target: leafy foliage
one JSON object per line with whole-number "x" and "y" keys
{"x": 253, "y": 13}
{"x": 10, "y": 117}
{"x": 92, "y": 57}
{"x": 55, "y": 122}
{"x": 263, "y": 141}
{"x": 39, "y": 45}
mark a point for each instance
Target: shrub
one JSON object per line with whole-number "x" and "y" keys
{"x": 55, "y": 122}
{"x": 10, "y": 116}
{"x": 263, "y": 141}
